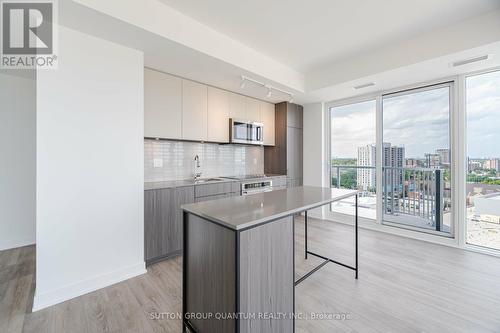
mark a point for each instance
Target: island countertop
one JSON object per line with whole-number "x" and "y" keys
{"x": 247, "y": 211}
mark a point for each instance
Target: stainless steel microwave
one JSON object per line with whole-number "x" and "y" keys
{"x": 249, "y": 132}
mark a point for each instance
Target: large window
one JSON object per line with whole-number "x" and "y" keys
{"x": 405, "y": 171}
{"x": 483, "y": 160}
{"x": 407, "y": 151}
{"x": 353, "y": 157}
{"x": 416, "y": 158}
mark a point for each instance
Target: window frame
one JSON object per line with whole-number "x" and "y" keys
{"x": 344, "y": 218}
{"x": 463, "y": 177}
{"x": 458, "y": 149}
{"x": 406, "y": 231}
{"x": 451, "y": 85}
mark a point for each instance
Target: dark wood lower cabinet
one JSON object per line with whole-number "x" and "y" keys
{"x": 214, "y": 197}
{"x": 163, "y": 214}
{"x": 163, "y": 221}
{"x": 211, "y": 263}
{"x": 248, "y": 272}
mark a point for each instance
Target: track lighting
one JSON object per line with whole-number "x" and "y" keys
{"x": 269, "y": 88}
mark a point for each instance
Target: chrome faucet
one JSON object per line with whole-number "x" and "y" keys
{"x": 197, "y": 172}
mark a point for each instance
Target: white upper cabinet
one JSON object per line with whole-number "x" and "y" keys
{"x": 267, "y": 118}
{"x": 252, "y": 109}
{"x": 237, "y": 106}
{"x": 218, "y": 115}
{"x": 175, "y": 108}
{"x": 162, "y": 105}
{"x": 194, "y": 111}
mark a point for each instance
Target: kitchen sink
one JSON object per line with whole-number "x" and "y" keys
{"x": 205, "y": 180}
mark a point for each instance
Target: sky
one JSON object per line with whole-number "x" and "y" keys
{"x": 483, "y": 115}
{"x": 352, "y": 126}
{"x": 420, "y": 121}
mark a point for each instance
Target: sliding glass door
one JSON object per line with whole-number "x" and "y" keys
{"x": 416, "y": 158}
{"x": 404, "y": 170}
{"x": 483, "y": 160}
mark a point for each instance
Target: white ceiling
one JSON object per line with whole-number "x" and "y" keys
{"x": 390, "y": 52}
{"x": 308, "y": 34}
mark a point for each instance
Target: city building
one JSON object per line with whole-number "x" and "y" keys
{"x": 444, "y": 156}
{"x": 432, "y": 161}
{"x": 474, "y": 165}
{"x": 439, "y": 159}
{"x": 366, "y": 178}
{"x": 413, "y": 163}
{"x": 393, "y": 157}
{"x": 492, "y": 163}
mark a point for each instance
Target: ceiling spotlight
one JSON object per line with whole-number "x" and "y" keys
{"x": 269, "y": 93}
{"x": 242, "y": 84}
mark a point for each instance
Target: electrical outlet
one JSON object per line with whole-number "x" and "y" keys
{"x": 157, "y": 163}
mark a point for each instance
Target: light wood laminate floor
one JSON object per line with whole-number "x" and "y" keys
{"x": 404, "y": 286}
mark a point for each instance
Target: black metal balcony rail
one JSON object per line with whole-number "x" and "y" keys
{"x": 417, "y": 193}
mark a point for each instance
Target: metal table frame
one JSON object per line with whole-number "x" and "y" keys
{"x": 326, "y": 259}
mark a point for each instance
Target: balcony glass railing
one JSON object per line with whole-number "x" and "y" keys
{"x": 417, "y": 197}
{"x": 361, "y": 178}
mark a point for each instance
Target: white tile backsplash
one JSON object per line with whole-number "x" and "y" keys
{"x": 216, "y": 160}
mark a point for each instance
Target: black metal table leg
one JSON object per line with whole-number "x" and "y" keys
{"x": 305, "y": 226}
{"x": 326, "y": 259}
{"x": 356, "y": 233}
{"x": 184, "y": 271}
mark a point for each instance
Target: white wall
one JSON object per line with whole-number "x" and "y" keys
{"x": 314, "y": 148}
{"x": 17, "y": 158}
{"x": 89, "y": 168}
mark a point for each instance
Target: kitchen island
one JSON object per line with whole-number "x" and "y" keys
{"x": 238, "y": 259}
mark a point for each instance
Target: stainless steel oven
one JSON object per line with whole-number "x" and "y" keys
{"x": 256, "y": 187}
{"x": 248, "y": 132}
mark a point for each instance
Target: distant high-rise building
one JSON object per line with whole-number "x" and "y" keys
{"x": 432, "y": 161}
{"x": 444, "y": 156}
{"x": 492, "y": 163}
{"x": 393, "y": 158}
{"x": 367, "y": 157}
{"x": 413, "y": 162}
{"x": 474, "y": 165}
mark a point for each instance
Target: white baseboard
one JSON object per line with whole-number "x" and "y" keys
{"x": 7, "y": 245}
{"x": 67, "y": 292}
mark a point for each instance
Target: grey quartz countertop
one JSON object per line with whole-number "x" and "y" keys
{"x": 242, "y": 212}
{"x": 191, "y": 182}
